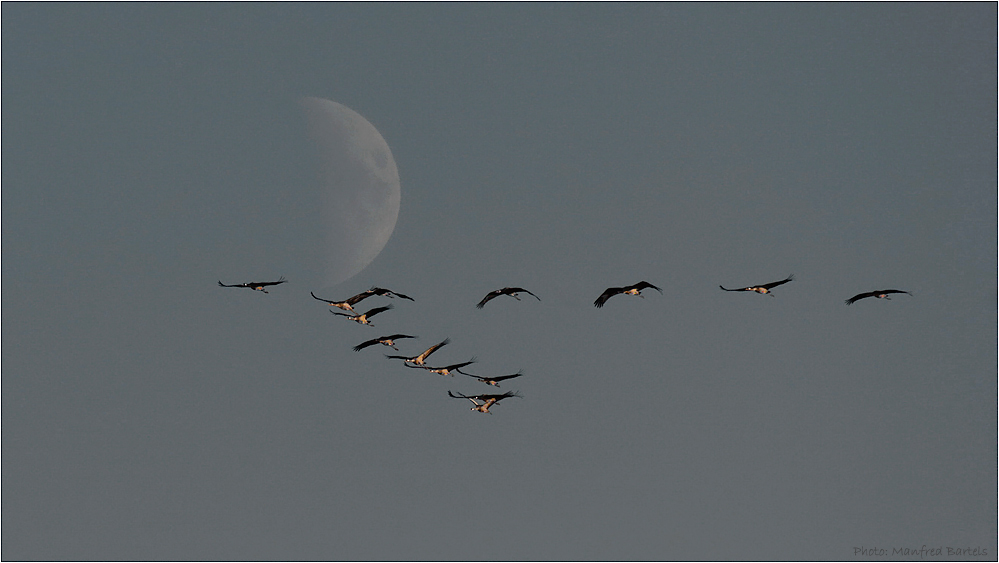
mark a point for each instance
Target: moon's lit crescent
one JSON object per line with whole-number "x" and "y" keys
{"x": 359, "y": 185}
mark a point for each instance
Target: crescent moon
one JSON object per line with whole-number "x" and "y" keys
{"x": 359, "y": 186}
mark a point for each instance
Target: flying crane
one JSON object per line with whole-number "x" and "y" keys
{"x": 346, "y": 305}
{"x": 386, "y": 340}
{"x": 511, "y": 291}
{"x": 386, "y": 292}
{"x": 365, "y": 318}
{"x": 763, "y": 289}
{"x": 880, "y": 294}
{"x": 487, "y": 400}
{"x": 494, "y": 381}
{"x": 446, "y": 370}
{"x": 421, "y": 359}
{"x": 255, "y": 286}
{"x": 628, "y": 290}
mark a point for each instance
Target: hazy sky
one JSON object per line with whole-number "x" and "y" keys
{"x": 150, "y": 150}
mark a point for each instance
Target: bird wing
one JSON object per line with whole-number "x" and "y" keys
{"x": 359, "y": 297}
{"x": 387, "y": 292}
{"x": 727, "y": 289}
{"x": 321, "y": 299}
{"x": 522, "y": 290}
{"x": 860, "y": 296}
{"x": 644, "y": 284}
{"x": 504, "y": 377}
{"x": 610, "y": 292}
{"x": 776, "y": 283}
{"x": 498, "y": 398}
{"x": 262, "y": 284}
{"x": 433, "y": 349}
{"x": 377, "y": 310}
{"x": 461, "y": 365}
{"x": 236, "y": 285}
{"x": 396, "y": 336}
{"x": 460, "y": 396}
{"x": 365, "y": 344}
{"x": 886, "y": 291}
{"x": 488, "y": 297}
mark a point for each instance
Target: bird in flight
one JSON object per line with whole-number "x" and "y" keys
{"x": 629, "y": 290}
{"x": 446, "y": 370}
{"x": 365, "y": 318}
{"x": 421, "y": 359}
{"x": 511, "y": 291}
{"x": 346, "y": 305}
{"x": 386, "y": 340}
{"x": 880, "y": 294}
{"x": 763, "y": 289}
{"x": 494, "y": 381}
{"x": 487, "y": 400}
{"x": 255, "y": 286}
{"x": 386, "y": 293}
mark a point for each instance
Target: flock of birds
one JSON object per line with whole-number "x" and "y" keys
{"x": 482, "y": 402}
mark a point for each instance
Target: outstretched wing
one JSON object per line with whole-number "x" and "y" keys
{"x": 279, "y": 281}
{"x": 860, "y": 296}
{"x": 505, "y": 377}
{"x": 497, "y": 378}
{"x": 387, "y": 292}
{"x": 366, "y": 343}
{"x": 461, "y": 365}
{"x": 397, "y": 294}
{"x": 359, "y": 297}
{"x": 460, "y": 396}
{"x": 887, "y": 291}
{"x": 321, "y": 299}
{"x": 397, "y": 336}
{"x": 644, "y": 284}
{"x": 433, "y": 349}
{"x": 377, "y": 310}
{"x": 776, "y": 283}
{"x": 727, "y": 289}
{"x": 521, "y": 290}
{"x": 610, "y": 292}
{"x": 236, "y": 285}
{"x": 489, "y": 296}
{"x": 498, "y": 398}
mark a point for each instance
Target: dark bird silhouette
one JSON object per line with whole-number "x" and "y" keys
{"x": 494, "y": 381}
{"x": 421, "y": 359}
{"x": 446, "y": 370}
{"x": 629, "y": 290}
{"x": 386, "y": 340}
{"x": 365, "y": 318}
{"x": 880, "y": 294}
{"x": 487, "y": 400}
{"x": 386, "y": 293}
{"x": 255, "y": 286}
{"x": 511, "y": 291}
{"x": 765, "y": 288}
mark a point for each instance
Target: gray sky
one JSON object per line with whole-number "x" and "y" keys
{"x": 151, "y": 150}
